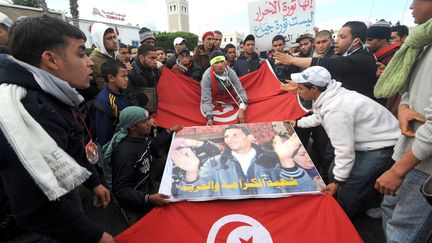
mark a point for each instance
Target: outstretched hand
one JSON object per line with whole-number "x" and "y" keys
{"x": 185, "y": 159}
{"x": 283, "y": 58}
{"x": 159, "y": 199}
{"x": 290, "y": 86}
{"x": 286, "y": 149}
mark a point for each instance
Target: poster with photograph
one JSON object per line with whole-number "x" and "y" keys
{"x": 238, "y": 161}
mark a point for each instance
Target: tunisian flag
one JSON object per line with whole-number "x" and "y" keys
{"x": 179, "y": 99}
{"x": 295, "y": 219}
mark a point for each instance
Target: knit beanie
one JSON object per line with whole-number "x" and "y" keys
{"x": 379, "y": 30}
{"x": 207, "y": 34}
{"x": 145, "y": 34}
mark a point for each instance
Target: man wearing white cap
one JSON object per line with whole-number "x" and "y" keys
{"x": 5, "y": 24}
{"x": 178, "y": 43}
{"x": 362, "y": 132}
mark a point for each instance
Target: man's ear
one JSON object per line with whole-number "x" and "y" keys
{"x": 49, "y": 61}
{"x": 251, "y": 138}
{"x": 357, "y": 41}
{"x": 141, "y": 58}
{"x": 110, "y": 78}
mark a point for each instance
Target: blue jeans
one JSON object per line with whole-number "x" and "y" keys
{"x": 407, "y": 217}
{"x": 368, "y": 166}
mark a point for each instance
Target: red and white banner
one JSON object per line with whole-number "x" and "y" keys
{"x": 179, "y": 99}
{"x": 295, "y": 219}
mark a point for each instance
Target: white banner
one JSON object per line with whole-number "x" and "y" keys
{"x": 289, "y": 18}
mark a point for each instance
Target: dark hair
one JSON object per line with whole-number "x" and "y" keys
{"x": 31, "y": 36}
{"x": 277, "y": 38}
{"x": 131, "y": 47}
{"x": 111, "y": 67}
{"x": 229, "y": 46}
{"x": 160, "y": 49}
{"x": 309, "y": 86}
{"x": 145, "y": 48}
{"x": 324, "y": 33}
{"x": 122, "y": 45}
{"x": 244, "y": 128}
{"x": 358, "y": 29}
{"x": 217, "y": 32}
{"x": 401, "y": 30}
{"x": 4, "y": 27}
{"x": 169, "y": 51}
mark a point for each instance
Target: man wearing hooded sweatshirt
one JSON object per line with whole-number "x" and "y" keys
{"x": 105, "y": 40}
{"x": 361, "y": 131}
{"x": 41, "y": 141}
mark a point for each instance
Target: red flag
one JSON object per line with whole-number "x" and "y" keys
{"x": 180, "y": 97}
{"x": 294, "y": 219}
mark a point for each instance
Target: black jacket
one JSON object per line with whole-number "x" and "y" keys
{"x": 243, "y": 65}
{"x": 283, "y": 72}
{"x": 134, "y": 171}
{"x": 140, "y": 77}
{"x": 59, "y": 219}
{"x": 356, "y": 72}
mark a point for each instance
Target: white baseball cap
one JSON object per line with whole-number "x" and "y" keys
{"x": 178, "y": 41}
{"x": 4, "y": 19}
{"x": 315, "y": 75}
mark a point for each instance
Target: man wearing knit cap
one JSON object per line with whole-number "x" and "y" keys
{"x": 221, "y": 79}
{"x": 378, "y": 42}
{"x": 248, "y": 60}
{"x": 146, "y": 36}
{"x": 5, "y": 24}
{"x": 129, "y": 157}
{"x": 202, "y": 53}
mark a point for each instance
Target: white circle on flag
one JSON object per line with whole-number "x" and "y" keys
{"x": 223, "y": 112}
{"x": 254, "y": 231}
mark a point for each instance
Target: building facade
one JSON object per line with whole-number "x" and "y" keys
{"x": 234, "y": 38}
{"x": 178, "y": 15}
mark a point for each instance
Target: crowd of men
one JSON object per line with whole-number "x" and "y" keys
{"x": 369, "y": 125}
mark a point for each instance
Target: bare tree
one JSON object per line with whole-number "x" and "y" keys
{"x": 73, "y": 5}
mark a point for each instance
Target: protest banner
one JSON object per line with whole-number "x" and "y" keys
{"x": 254, "y": 160}
{"x": 290, "y": 18}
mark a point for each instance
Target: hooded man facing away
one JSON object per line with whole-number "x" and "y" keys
{"x": 106, "y": 41}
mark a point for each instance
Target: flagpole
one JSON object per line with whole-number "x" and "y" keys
{"x": 403, "y": 12}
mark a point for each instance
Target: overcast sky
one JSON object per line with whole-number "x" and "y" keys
{"x": 231, "y": 15}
